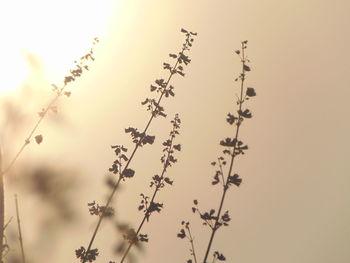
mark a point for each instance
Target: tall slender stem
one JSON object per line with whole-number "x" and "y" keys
{"x": 233, "y": 155}
{"x": 147, "y": 213}
{"x": 138, "y": 144}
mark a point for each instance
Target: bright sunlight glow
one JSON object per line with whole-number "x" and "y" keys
{"x": 47, "y": 36}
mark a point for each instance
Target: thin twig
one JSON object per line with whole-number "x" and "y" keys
{"x": 192, "y": 243}
{"x": 30, "y": 136}
{"x": 19, "y": 230}
{"x": 233, "y": 155}
{"x": 2, "y": 206}
{"x": 156, "y": 190}
{"x": 6, "y": 225}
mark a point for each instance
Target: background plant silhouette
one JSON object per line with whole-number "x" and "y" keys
{"x": 75, "y": 73}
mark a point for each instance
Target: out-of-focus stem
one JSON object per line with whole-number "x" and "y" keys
{"x": 2, "y": 208}
{"x": 19, "y": 231}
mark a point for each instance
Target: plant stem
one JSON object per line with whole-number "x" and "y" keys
{"x": 19, "y": 230}
{"x": 2, "y": 208}
{"x": 233, "y": 155}
{"x": 3, "y": 172}
{"x": 147, "y": 213}
{"x": 128, "y": 162}
{"x": 29, "y": 137}
{"x": 192, "y": 245}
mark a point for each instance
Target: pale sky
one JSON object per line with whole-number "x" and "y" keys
{"x": 293, "y": 204}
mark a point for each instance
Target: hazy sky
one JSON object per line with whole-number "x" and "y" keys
{"x": 293, "y": 204}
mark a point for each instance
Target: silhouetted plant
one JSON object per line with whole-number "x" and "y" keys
{"x": 148, "y": 205}
{"x": 76, "y": 72}
{"x": 121, "y": 165}
{"x": 233, "y": 147}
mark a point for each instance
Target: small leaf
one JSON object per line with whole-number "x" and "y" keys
{"x": 177, "y": 147}
{"x": 246, "y": 113}
{"x": 234, "y": 179}
{"x": 182, "y": 234}
{"x": 42, "y": 113}
{"x": 246, "y": 68}
{"x": 230, "y": 118}
{"x": 128, "y": 172}
{"x": 250, "y": 92}
{"x": 168, "y": 181}
{"x": 39, "y": 139}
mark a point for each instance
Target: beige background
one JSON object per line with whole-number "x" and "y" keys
{"x": 293, "y": 205}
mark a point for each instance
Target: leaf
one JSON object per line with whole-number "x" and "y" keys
{"x": 146, "y": 100}
{"x": 42, "y": 113}
{"x": 219, "y": 256}
{"x": 230, "y": 118}
{"x": 80, "y": 253}
{"x": 234, "y": 179}
{"x": 250, "y": 92}
{"x": 168, "y": 181}
{"x": 228, "y": 142}
{"x": 177, "y": 147}
{"x": 246, "y": 68}
{"x": 38, "y": 139}
{"x": 148, "y": 139}
{"x": 182, "y": 234}
{"x": 246, "y": 113}
{"x": 143, "y": 237}
{"x": 128, "y": 172}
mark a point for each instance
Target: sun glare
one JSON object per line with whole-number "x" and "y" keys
{"x": 47, "y": 36}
